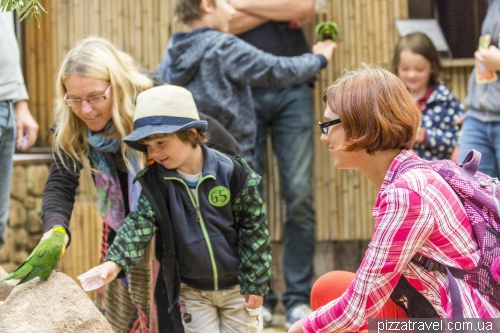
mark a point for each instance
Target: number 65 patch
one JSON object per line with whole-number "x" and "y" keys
{"x": 219, "y": 196}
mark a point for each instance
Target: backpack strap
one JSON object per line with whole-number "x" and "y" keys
{"x": 239, "y": 176}
{"x": 470, "y": 164}
{"x": 452, "y": 273}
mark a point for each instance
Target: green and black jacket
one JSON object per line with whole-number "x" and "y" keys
{"x": 214, "y": 238}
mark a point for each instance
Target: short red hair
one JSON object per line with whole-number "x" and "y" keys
{"x": 376, "y": 110}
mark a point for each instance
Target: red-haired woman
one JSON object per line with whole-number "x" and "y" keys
{"x": 371, "y": 123}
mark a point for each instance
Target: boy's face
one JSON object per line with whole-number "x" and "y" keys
{"x": 172, "y": 152}
{"x": 221, "y": 15}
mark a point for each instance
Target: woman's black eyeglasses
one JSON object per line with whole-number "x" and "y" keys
{"x": 324, "y": 126}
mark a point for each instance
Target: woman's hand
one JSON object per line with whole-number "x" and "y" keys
{"x": 297, "y": 327}
{"x": 253, "y": 301}
{"x": 47, "y": 234}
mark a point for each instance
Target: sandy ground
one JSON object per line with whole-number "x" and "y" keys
{"x": 278, "y": 325}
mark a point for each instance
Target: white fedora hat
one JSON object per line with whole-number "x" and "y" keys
{"x": 163, "y": 109}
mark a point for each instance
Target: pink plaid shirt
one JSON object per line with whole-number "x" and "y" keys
{"x": 417, "y": 212}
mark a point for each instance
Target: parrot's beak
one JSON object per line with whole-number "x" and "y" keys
{"x": 63, "y": 250}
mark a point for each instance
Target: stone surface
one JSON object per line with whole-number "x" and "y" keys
{"x": 20, "y": 236}
{"x": 8, "y": 249}
{"x": 19, "y": 187}
{"x": 57, "y": 305}
{"x": 29, "y": 202}
{"x": 17, "y": 214}
{"x": 34, "y": 222}
{"x": 6, "y": 288}
{"x": 9, "y": 267}
{"x": 20, "y": 257}
{"x": 37, "y": 177}
{"x": 33, "y": 241}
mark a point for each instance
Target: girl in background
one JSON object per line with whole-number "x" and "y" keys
{"x": 417, "y": 63}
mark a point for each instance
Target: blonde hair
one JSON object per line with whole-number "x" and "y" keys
{"x": 97, "y": 58}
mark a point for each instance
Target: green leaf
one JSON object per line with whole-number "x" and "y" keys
{"x": 25, "y": 14}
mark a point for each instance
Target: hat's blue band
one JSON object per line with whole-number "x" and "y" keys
{"x": 162, "y": 120}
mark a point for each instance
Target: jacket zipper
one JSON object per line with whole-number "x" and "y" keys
{"x": 199, "y": 219}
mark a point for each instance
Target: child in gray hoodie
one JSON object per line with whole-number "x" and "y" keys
{"x": 219, "y": 68}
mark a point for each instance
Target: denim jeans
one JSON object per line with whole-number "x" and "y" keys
{"x": 485, "y": 138}
{"x": 288, "y": 115}
{"x": 7, "y": 145}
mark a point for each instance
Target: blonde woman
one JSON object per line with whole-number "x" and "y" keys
{"x": 96, "y": 90}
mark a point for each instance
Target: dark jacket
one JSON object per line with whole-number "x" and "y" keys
{"x": 219, "y": 70}
{"x": 212, "y": 241}
{"x": 221, "y": 238}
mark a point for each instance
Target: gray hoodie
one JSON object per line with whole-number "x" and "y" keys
{"x": 219, "y": 70}
{"x": 11, "y": 77}
{"x": 483, "y": 100}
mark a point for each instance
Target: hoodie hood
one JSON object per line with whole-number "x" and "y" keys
{"x": 184, "y": 52}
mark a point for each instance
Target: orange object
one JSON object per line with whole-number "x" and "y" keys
{"x": 333, "y": 284}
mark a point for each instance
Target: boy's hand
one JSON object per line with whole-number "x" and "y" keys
{"x": 109, "y": 271}
{"x": 253, "y": 301}
{"x": 325, "y": 48}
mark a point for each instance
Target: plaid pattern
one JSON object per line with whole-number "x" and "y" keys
{"x": 133, "y": 236}
{"x": 417, "y": 211}
{"x": 254, "y": 246}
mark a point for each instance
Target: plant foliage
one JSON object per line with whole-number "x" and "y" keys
{"x": 25, "y": 9}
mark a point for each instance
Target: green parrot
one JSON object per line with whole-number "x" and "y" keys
{"x": 327, "y": 30}
{"x": 43, "y": 259}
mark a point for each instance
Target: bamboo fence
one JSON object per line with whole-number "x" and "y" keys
{"x": 343, "y": 199}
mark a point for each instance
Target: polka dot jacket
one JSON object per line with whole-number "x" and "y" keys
{"x": 440, "y": 112}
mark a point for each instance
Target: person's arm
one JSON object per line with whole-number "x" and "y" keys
{"x": 243, "y": 21}
{"x": 276, "y": 10}
{"x": 133, "y": 237}
{"x": 251, "y": 66}
{"x": 59, "y": 195}
{"x": 254, "y": 245}
{"x": 26, "y": 126}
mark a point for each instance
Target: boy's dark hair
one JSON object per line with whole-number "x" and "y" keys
{"x": 184, "y": 136}
{"x": 187, "y": 11}
{"x": 419, "y": 43}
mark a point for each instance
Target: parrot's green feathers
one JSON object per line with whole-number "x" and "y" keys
{"x": 327, "y": 30}
{"x": 44, "y": 258}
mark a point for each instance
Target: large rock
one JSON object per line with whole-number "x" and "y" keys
{"x": 57, "y": 305}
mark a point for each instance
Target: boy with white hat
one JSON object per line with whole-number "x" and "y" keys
{"x": 210, "y": 222}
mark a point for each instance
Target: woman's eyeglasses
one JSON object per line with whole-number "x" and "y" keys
{"x": 77, "y": 102}
{"x": 324, "y": 126}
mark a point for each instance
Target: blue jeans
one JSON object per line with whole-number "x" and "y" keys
{"x": 7, "y": 146}
{"x": 288, "y": 115}
{"x": 485, "y": 138}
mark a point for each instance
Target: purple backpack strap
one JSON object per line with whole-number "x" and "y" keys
{"x": 471, "y": 164}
